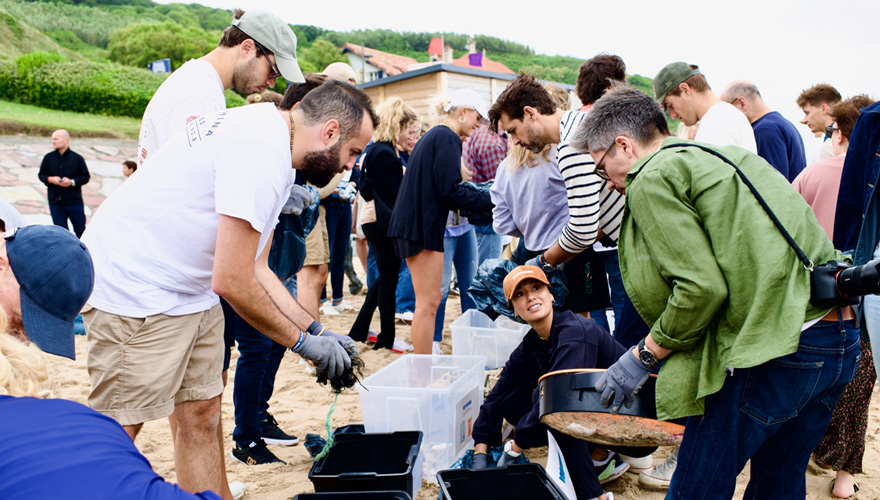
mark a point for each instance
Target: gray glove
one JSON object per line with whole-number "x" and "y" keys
{"x": 348, "y": 193}
{"x": 480, "y": 461}
{"x": 326, "y": 352}
{"x": 300, "y": 198}
{"x": 345, "y": 340}
{"x": 622, "y": 381}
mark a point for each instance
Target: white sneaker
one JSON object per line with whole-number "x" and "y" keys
{"x": 435, "y": 349}
{"x": 660, "y": 476}
{"x": 400, "y": 346}
{"x": 327, "y": 309}
{"x": 405, "y": 317}
{"x": 343, "y": 306}
{"x": 238, "y": 489}
{"x": 638, "y": 464}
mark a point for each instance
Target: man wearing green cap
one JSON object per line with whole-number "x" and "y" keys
{"x": 252, "y": 53}
{"x": 681, "y": 89}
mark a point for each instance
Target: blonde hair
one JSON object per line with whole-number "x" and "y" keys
{"x": 519, "y": 156}
{"x": 437, "y": 113}
{"x": 23, "y": 368}
{"x": 394, "y": 116}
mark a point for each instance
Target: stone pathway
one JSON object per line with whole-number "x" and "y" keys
{"x": 20, "y": 159}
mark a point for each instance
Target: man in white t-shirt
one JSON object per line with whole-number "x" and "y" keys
{"x": 194, "y": 224}
{"x": 681, "y": 89}
{"x": 255, "y": 50}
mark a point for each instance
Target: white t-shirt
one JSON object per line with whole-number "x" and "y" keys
{"x": 152, "y": 241}
{"x": 195, "y": 89}
{"x": 723, "y": 125}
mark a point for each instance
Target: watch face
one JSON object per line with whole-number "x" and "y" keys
{"x": 647, "y": 357}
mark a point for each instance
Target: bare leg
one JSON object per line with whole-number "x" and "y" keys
{"x": 310, "y": 280}
{"x": 196, "y": 454}
{"x": 362, "y": 249}
{"x": 132, "y": 430}
{"x": 426, "y": 268}
{"x": 226, "y": 493}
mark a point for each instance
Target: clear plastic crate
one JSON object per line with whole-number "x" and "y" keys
{"x": 475, "y": 334}
{"x": 438, "y": 395}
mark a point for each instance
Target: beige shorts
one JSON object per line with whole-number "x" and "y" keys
{"x": 141, "y": 367}
{"x": 318, "y": 242}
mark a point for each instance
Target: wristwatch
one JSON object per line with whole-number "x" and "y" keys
{"x": 547, "y": 268}
{"x": 508, "y": 449}
{"x": 647, "y": 357}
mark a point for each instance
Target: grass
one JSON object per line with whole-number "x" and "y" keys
{"x": 32, "y": 120}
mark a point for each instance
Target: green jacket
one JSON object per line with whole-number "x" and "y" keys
{"x": 708, "y": 269}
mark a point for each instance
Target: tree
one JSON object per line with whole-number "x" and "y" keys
{"x": 138, "y": 44}
{"x": 315, "y": 58}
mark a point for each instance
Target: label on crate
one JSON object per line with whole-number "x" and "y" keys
{"x": 466, "y": 412}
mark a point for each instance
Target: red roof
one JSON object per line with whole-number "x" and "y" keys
{"x": 390, "y": 64}
{"x": 488, "y": 65}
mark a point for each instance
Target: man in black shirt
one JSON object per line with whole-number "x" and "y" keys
{"x": 65, "y": 172}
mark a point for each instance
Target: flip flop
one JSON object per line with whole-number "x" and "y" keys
{"x": 855, "y": 491}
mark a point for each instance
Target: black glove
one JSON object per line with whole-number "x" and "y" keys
{"x": 622, "y": 381}
{"x": 480, "y": 461}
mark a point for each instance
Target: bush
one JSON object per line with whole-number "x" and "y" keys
{"x": 27, "y": 63}
{"x": 139, "y": 44}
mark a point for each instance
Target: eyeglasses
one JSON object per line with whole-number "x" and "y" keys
{"x": 275, "y": 73}
{"x": 600, "y": 166}
{"x": 829, "y": 131}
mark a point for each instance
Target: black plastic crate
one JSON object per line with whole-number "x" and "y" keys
{"x": 514, "y": 481}
{"x": 368, "y": 462}
{"x": 355, "y": 495}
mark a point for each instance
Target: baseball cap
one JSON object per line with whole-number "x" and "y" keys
{"x": 520, "y": 274}
{"x": 340, "y": 71}
{"x": 55, "y": 274}
{"x": 468, "y": 97}
{"x": 271, "y": 32}
{"x": 670, "y": 76}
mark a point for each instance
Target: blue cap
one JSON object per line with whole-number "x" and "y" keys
{"x": 56, "y": 276}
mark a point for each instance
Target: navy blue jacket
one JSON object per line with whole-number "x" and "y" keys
{"x": 575, "y": 342}
{"x": 780, "y": 144}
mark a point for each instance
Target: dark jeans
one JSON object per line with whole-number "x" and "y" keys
{"x": 773, "y": 414}
{"x": 382, "y": 292}
{"x": 75, "y": 212}
{"x": 607, "y": 262}
{"x": 338, "y": 217}
{"x": 254, "y": 376}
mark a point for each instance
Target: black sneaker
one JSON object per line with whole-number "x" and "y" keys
{"x": 255, "y": 453}
{"x": 272, "y": 434}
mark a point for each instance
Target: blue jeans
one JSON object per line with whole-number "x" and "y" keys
{"x": 405, "y": 295}
{"x": 460, "y": 251}
{"x": 608, "y": 261}
{"x": 372, "y": 268}
{"x": 773, "y": 414}
{"x": 75, "y": 212}
{"x": 488, "y": 243}
{"x": 338, "y": 217}
{"x": 255, "y": 373}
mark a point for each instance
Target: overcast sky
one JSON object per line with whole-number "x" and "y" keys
{"x": 784, "y": 46}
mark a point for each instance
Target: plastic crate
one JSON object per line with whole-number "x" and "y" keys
{"x": 475, "y": 334}
{"x": 369, "y": 462}
{"x": 438, "y": 395}
{"x": 355, "y": 495}
{"x": 514, "y": 481}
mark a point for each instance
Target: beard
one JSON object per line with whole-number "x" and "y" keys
{"x": 319, "y": 167}
{"x": 534, "y": 142}
{"x": 242, "y": 77}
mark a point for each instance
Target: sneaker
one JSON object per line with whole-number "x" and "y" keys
{"x": 454, "y": 289}
{"x": 238, "y": 489}
{"x": 638, "y": 464}
{"x": 400, "y": 346}
{"x": 405, "y": 317}
{"x": 272, "y": 434}
{"x": 660, "y": 476}
{"x": 435, "y": 349}
{"x": 611, "y": 468}
{"x": 343, "y": 306}
{"x": 327, "y": 309}
{"x": 372, "y": 336}
{"x": 255, "y": 453}
{"x": 355, "y": 287}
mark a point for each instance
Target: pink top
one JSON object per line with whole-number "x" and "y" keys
{"x": 819, "y": 184}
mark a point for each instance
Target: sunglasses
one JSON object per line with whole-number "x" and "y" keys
{"x": 275, "y": 73}
{"x": 600, "y": 167}
{"x": 829, "y": 131}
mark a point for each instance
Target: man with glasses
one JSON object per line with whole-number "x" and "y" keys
{"x": 752, "y": 364}
{"x": 682, "y": 90}
{"x": 777, "y": 138}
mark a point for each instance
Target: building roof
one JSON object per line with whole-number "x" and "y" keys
{"x": 390, "y": 64}
{"x": 428, "y": 68}
{"x": 488, "y": 65}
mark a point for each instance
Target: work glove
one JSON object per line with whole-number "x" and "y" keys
{"x": 509, "y": 456}
{"x": 345, "y": 340}
{"x": 299, "y": 199}
{"x": 325, "y": 352}
{"x": 537, "y": 263}
{"x": 481, "y": 461}
{"x": 348, "y": 192}
{"x": 622, "y": 381}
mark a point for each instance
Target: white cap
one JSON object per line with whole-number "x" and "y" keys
{"x": 468, "y": 97}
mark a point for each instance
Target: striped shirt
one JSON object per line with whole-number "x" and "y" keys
{"x": 591, "y": 205}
